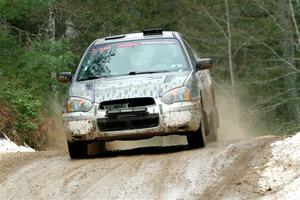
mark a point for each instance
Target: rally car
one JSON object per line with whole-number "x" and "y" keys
{"x": 137, "y": 86}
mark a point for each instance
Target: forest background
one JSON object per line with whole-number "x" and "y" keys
{"x": 255, "y": 46}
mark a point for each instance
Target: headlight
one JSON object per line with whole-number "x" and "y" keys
{"x": 75, "y": 104}
{"x": 177, "y": 95}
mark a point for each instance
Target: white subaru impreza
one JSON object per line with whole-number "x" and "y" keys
{"x": 137, "y": 86}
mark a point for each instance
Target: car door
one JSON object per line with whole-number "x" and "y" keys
{"x": 205, "y": 81}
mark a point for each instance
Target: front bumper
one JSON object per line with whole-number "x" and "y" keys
{"x": 175, "y": 119}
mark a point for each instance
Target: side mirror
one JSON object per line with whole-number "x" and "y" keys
{"x": 204, "y": 63}
{"x": 64, "y": 77}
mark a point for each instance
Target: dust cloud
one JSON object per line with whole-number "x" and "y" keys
{"x": 230, "y": 126}
{"x": 53, "y": 127}
{"x": 230, "y": 129}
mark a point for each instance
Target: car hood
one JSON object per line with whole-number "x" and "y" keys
{"x": 123, "y": 87}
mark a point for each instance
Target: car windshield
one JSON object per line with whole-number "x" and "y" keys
{"x": 133, "y": 57}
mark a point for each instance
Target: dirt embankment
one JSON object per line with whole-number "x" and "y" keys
{"x": 6, "y": 119}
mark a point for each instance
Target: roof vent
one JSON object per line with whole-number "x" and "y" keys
{"x": 114, "y": 37}
{"x": 154, "y": 31}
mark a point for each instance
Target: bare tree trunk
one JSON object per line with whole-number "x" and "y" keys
{"x": 288, "y": 43}
{"x": 51, "y": 37}
{"x": 235, "y": 99}
{"x": 70, "y": 29}
{"x": 227, "y": 35}
{"x": 3, "y": 23}
{"x": 51, "y": 24}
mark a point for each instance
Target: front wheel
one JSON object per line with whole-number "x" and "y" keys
{"x": 78, "y": 149}
{"x": 197, "y": 139}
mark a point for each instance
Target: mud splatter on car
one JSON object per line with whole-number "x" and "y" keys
{"x": 137, "y": 86}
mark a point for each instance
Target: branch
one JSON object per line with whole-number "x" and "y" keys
{"x": 21, "y": 30}
{"x": 275, "y": 79}
{"x": 276, "y": 54}
{"x": 222, "y": 89}
{"x": 215, "y": 22}
{"x": 274, "y": 106}
{"x": 240, "y": 46}
{"x": 294, "y": 22}
{"x": 276, "y": 96}
{"x": 268, "y": 13}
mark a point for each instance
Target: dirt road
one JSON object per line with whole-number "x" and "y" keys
{"x": 223, "y": 170}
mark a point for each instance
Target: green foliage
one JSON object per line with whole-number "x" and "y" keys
{"x": 27, "y": 58}
{"x": 25, "y": 74}
{"x": 26, "y": 107}
{"x": 18, "y": 9}
{"x": 41, "y": 59}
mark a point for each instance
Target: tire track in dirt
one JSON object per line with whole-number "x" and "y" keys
{"x": 239, "y": 179}
{"x": 225, "y": 167}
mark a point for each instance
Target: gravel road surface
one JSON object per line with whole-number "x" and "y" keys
{"x": 222, "y": 170}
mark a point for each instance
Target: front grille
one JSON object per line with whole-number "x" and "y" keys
{"x": 128, "y": 121}
{"x": 113, "y": 114}
{"x": 129, "y": 103}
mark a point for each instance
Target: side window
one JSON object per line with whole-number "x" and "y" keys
{"x": 190, "y": 52}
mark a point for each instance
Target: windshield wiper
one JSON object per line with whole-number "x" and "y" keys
{"x": 148, "y": 72}
{"x": 92, "y": 77}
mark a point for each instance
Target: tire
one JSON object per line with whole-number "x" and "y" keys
{"x": 197, "y": 139}
{"x": 78, "y": 149}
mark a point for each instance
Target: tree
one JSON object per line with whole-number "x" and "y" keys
{"x": 288, "y": 43}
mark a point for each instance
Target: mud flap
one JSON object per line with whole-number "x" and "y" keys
{"x": 197, "y": 139}
{"x": 213, "y": 126}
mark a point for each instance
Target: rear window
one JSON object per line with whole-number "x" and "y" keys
{"x": 135, "y": 56}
